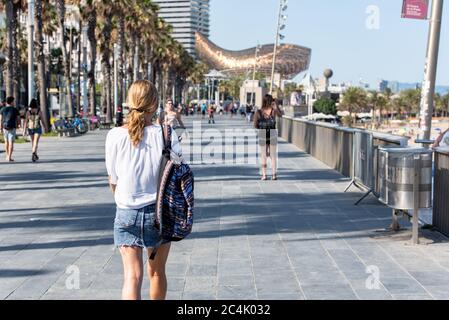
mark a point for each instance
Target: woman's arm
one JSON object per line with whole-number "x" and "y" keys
{"x": 111, "y": 185}
{"x": 179, "y": 117}
{"x": 440, "y": 137}
{"x": 277, "y": 110}
{"x": 40, "y": 119}
{"x": 25, "y": 126}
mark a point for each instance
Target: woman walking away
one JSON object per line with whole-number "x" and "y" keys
{"x": 33, "y": 122}
{"x": 133, "y": 157}
{"x": 265, "y": 121}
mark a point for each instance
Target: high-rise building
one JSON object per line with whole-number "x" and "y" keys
{"x": 186, "y": 17}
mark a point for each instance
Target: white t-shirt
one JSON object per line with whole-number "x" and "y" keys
{"x": 135, "y": 170}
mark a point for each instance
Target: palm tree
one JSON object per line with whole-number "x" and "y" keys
{"x": 60, "y": 8}
{"x": 8, "y": 6}
{"x": 89, "y": 14}
{"x": 354, "y": 100}
{"x": 40, "y": 57}
{"x": 411, "y": 99}
{"x": 105, "y": 10}
{"x": 377, "y": 103}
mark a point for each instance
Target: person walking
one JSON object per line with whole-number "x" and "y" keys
{"x": 265, "y": 122}
{"x": 9, "y": 122}
{"x": 203, "y": 110}
{"x": 133, "y": 157}
{"x": 173, "y": 116}
{"x": 119, "y": 117}
{"x": 211, "y": 113}
{"x": 33, "y": 125}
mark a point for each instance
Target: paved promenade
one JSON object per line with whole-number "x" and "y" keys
{"x": 297, "y": 238}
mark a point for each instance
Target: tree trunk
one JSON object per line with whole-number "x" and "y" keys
{"x": 40, "y": 57}
{"x": 16, "y": 57}
{"x": 106, "y": 68}
{"x": 136, "y": 59}
{"x": 120, "y": 68}
{"x": 131, "y": 53}
{"x": 92, "y": 24}
{"x": 9, "y": 79}
{"x": 60, "y": 6}
{"x": 80, "y": 49}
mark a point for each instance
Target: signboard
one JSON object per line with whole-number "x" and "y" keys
{"x": 415, "y": 9}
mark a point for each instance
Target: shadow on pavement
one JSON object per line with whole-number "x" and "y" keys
{"x": 10, "y": 273}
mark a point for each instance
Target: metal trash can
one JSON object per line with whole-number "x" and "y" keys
{"x": 397, "y": 174}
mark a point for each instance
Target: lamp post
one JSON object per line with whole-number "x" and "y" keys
{"x": 85, "y": 98}
{"x": 279, "y": 36}
{"x": 31, "y": 89}
{"x": 116, "y": 57}
{"x": 254, "y": 73}
{"x": 428, "y": 89}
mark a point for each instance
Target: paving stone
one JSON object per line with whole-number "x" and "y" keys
{"x": 296, "y": 238}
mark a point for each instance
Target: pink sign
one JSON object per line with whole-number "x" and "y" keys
{"x": 415, "y": 9}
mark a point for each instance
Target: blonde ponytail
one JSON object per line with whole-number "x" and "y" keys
{"x": 142, "y": 100}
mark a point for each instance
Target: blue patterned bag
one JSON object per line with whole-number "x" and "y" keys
{"x": 175, "y": 199}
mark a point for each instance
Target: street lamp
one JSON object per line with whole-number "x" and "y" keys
{"x": 281, "y": 26}
{"x": 31, "y": 89}
{"x": 256, "y": 60}
{"x": 116, "y": 58}
{"x": 85, "y": 98}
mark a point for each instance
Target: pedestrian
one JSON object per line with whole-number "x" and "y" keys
{"x": 265, "y": 122}
{"x": 133, "y": 157}
{"x": 33, "y": 125}
{"x": 9, "y": 122}
{"x": 249, "y": 111}
{"x": 119, "y": 117}
{"x": 203, "y": 110}
{"x": 211, "y": 112}
{"x": 173, "y": 117}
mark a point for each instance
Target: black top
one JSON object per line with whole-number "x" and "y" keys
{"x": 10, "y": 115}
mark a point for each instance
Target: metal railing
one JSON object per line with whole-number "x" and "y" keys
{"x": 441, "y": 187}
{"x": 330, "y": 143}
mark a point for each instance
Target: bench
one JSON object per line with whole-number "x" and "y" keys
{"x": 62, "y": 130}
{"x": 104, "y": 125}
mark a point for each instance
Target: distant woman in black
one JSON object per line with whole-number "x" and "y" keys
{"x": 33, "y": 122}
{"x": 265, "y": 121}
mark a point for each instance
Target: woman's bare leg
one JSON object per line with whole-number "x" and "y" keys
{"x": 35, "y": 142}
{"x": 133, "y": 273}
{"x": 273, "y": 156}
{"x": 263, "y": 151}
{"x": 156, "y": 273}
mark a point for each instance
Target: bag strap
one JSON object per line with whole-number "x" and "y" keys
{"x": 166, "y": 138}
{"x": 166, "y": 150}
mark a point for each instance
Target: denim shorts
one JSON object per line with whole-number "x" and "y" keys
{"x": 135, "y": 228}
{"x": 10, "y": 135}
{"x": 32, "y": 132}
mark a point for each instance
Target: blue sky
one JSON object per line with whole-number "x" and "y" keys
{"x": 337, "y": 34}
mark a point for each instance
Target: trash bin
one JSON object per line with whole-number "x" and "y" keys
{"x": 397, "y": 174}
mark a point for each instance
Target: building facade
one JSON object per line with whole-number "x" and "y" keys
{"x": 186, "y": 18}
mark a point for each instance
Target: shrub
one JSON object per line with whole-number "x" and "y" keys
{"x": 325, "y": 105}
{"x": 347, "y": 121}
